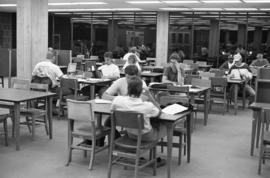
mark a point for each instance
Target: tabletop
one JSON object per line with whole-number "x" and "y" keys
{"x": 17, "y": 95}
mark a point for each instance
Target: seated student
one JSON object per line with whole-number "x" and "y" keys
{"x": 108, "y": 70}
{"x": 173, "y": 73}
{"x": 132, "y": 60}
{"x": 132, "y": 50}
{"x": 241, "y": 71}
{"x": 227, "y": 64}
{"x": 133, "y": 102}
{"x": 259, "y": 62}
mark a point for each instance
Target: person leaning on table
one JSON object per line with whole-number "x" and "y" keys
{"x": 173, "y": 73}
{"x": 241, "y": 71}
{"x": 259, "y": 62}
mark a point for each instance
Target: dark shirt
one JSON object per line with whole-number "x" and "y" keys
{"x": 170, "y": 74}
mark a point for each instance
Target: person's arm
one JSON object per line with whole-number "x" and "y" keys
{"x": 253, "y": 63}
{"x": 111, "y": 92}
{"x": 223, "y": 66}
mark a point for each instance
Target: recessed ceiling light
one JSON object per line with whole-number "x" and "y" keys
{"x": 174, "y": 9}
{"x": 207, "y": 9}
{"x": 240, "y": 9}
{"x": 181, "y": 2}
{"x": 221, "y": 1}
{"x": 75, "y": 3}
{"x": 143, "y": 2}
{"x": 8, "y": 5}
{"x": 256, "y": 1}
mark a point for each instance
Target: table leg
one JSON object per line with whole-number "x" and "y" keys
{"x": 235, "y": 98}
{"x": 169, "y": 148}
{"x": 253, "y": 131}
{"x": 259, "y": 121}
{"x": 17, "y": 124}
{"x": 244, "y": 98}
{"x": 92, "y": 91}
{"x": 49, "y": 115}
{"x": 188, "y": 137}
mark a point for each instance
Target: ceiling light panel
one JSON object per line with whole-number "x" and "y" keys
{"x": 256, "y": 1}
{"x": 76, "y": 3}
{"x": 8, "y": 5}
{"x": 207, "y": 9}
{"x": 143, "y": 2}
{"x": 182, "y": 2}
{"x": 174, "y": 9}
{"x": 240, "y": 9}
{"x": 221, "y": 1}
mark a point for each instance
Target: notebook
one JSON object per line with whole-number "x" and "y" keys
{"x": 174, "y": 109}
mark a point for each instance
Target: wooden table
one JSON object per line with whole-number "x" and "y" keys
{"x": 170, "y": 122}
{"x": 205, "y": 91}
{"x": 17, "y": 96}
{"x": 151, "y": 68}
{"x": 256, "y": 123}
{"x": 205, "y": 67}
{"x": 236, "y": 84}
{"x": 151, "y": 75}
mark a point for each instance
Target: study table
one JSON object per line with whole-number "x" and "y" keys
{"x": 169, "y": 120}
{"x": 16, "y": 96}
{"x": 151, "y": 75}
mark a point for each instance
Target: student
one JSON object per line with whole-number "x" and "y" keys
{"x": 132, "y": 50}
{"x": 241, "y": 71}
{"x": 133, "y": 102}
{"x": 259, "y": 62}
{"x": 227, "y": 64}
{"x": 132, "y": 60}
{"x": 109, "y": 70}
{"x": 173, "y": 73}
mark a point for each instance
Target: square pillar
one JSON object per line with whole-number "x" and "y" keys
{"x": 213, "y": 39}
{"x": 257, "y": 38}
{"x": 241, "y": 35}
{"x": 32, "y": 35}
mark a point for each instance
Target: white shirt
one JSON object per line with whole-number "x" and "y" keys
{"x": 111, "y": 70}
{"x": 48, "y": 69}
{"x": 126, "y": 103}
{"x": 136, "y": 64}
{"x": 126, "y": 56}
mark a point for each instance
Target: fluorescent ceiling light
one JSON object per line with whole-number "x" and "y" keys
{"x": 143, "y": 2}
{"x": 240, "y": 9}
{"x": 73, "y": 10}
{"x": 126, "y": 9}
{"x": 207, "y": 9}
{"x": 75, "y": 3}
{"x": 8, "y": 5}
{"x": 181, "y": 2}
{"x": 174, "y": 9}
{"x": 221, "y": 1}
{"x": 256, "y": 1}
{"x": 265, "y": 9}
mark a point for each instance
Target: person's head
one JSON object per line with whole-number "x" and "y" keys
{"x": 175, "y": 58}
{"x": 259, "y": 56}
{"x": 108, "y": 56}
{"x": 135, "y": 86}
{"x": 133, "y": 49}
{"x": 50, "y": 56}
{"x": 131, "y": 71}
{"x": 132, "y": 59}
{"x": 237, "y": 59}
{"x": 230, "y": 58}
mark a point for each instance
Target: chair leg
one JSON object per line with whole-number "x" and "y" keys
{"x": 154, "y": 157}
{"x": 46, "y": 125}
{"x": 161, "y": 145}
{"x": 92, "y": 155}
{"x": 6, "y": 132}
{"x": 110, "y": 161}
{"x": 33, "y": 128}
{"x": 28, "y": 123}
{"x": 136, "y": 167}
{"x": 185, "y": 147}
{"x": 260, "y": 159}
{"x": 253, "y": 133}
{"x": 180, "y": 150}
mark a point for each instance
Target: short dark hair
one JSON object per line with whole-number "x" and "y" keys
{"x": 174, "y": 56}
{"x": 108, "y": 55}
{"x": 131, "y": 70}
{"x": 135, "y": 86}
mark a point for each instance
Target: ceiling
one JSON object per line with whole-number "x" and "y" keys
{"x": 114, "y": 5}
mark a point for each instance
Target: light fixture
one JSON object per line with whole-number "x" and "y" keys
{"x": 174, "y": 9}
{"x": 221, "y": 1}
{"x": 75, "y": 3}
{"x": 143, "y": 2}
{"x": 265, "y": 9}
{"x": 256, "y": 1}
{"x": 240, "y": 9}
{"x": 8, "y": 5}
{"x": 207, "y": 9}
{"x": 181, "y": 2}
{"x": 73, "y": 10}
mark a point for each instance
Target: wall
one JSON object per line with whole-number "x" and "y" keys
{"x": 5, "y": 30}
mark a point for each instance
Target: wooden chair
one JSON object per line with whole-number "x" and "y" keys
{"x": 127, "y": 151}
{"x": 179, "y": 129}
{"x": 188, "y": 78}
{"x": 37, "y": 115}
{"x": 265, "y": 141}
{"x": 4, "y": 114}
{"x": 81, "y": 113}
{"x": 78, "y": 61}
{"x": 188, "y": 61}
{"x": 219, "y": 90}
{"x": 70, "y": 84}
{"x": 217, "y": 72}
{"x": 90, "y": 66}
{"x": 206, "y": 75}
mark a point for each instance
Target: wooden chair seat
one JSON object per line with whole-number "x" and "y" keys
{"x": 32, "y": 112}
{"x": 86, "y": 131}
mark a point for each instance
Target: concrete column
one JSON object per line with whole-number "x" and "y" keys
{"x": 213, "y": 44}
{"x": 112, "y": 35}
{"x": 32, "y": 35}
{"x": 257, "y": 38}
{"x": 162, "y": 38}
{"x": 241, "y": 36}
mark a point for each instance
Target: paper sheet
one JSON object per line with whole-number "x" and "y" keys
{"x": 174, "y": 109}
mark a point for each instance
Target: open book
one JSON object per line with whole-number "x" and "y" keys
{"x": 174, "y": 109}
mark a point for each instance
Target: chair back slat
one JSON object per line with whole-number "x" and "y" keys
{"x": 201, "y": 82}
{"x": 79, "y": 110}
{"x": 219, "y": 81}
{"x": 39, "y": 87}
{"x": 188, "y": 78}
{"x": 128, "y": 119}
{"x": 218, "y": 72}
{"x": 20, "y": 84}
